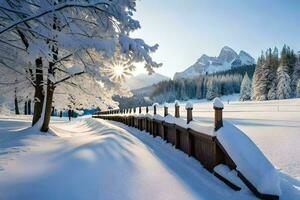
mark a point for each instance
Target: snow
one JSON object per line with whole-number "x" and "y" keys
{"x": 155, "y": 104}
{"x": 189, "y": 105}
{"x": 226, "y": 60}
{"x": 158, "y": 117}
{"x": 230, "y": 175}
{"x": 272, "y": 125}
{"x": 173, "y": 120}
{"x": 197, "y": 126}
{"x": 74, "y": 69}
{"x": 95, "y": 159}
{"x": 217, "y": 103}
{"x": 250, "y": 161}
{"x": 246, "y": 59}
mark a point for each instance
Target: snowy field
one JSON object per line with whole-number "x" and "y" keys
{"x": 273, "y": 125}
{"x": 95, "y": 159}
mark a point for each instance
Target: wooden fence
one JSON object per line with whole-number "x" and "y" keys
{"x": 202, "y": 146}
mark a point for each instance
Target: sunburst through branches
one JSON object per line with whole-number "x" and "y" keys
{"x": 117, "y": 71}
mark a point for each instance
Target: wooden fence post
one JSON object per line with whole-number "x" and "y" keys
{"x": 189, "y": 118}
{"x": 134, "y": 109}
{"x": 189, "y": 109}
{"x": 177, "y": 108}
{"x": 140, "y": 109}
{"x": 218, "y": 107}
{"x": 165, "y": 110}
{"x": 154, "y": 109}
{"x": 147, "y": 109}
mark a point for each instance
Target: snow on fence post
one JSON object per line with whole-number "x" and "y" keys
{"x": 147, "y": 109}
{"x": 177, "y": 109}
{"x": 218, "y": 107}
{"x": 165, "y": 110}
{"x": 189, "y": 108}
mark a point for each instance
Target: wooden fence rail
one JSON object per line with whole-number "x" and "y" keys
{"x": 202, "y": 146}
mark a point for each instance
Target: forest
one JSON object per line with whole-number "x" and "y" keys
{"x": 273, "y": 77}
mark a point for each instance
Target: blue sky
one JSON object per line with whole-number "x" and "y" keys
{"x": 185, "y": 29}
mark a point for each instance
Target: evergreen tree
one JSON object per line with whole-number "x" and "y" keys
{"x": 283, "y": 87}
{"x": 212, "y": 90}
{"x": 298, "y": 89}
{"x": 245, "y": 93}
{"x": 295, "y": 77}
{"x": 258, "y": 87}
{"x": 272, "y": 76}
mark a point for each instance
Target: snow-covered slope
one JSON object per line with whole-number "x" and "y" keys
{"x": 226, "y": 60}
{"x": 93, "y": 159}
{"x": 143, "y": 80}
{"x": 105, "y": 160}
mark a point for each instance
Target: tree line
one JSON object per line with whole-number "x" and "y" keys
{"x": 202, "y": 87}
{"x": 275, "y": 77}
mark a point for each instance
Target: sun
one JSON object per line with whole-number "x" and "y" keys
{"x": 118, "y": 70}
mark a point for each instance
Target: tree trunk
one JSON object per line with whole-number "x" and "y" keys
{"x": 38, "y": 94}
{"x": 29, "y": 107}
{"x": 16, "y": 106}
{"x": 25, "y": 108}
{"x": 48, "y": 110}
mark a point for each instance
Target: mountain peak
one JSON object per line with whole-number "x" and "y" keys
{"x": 242, "y": 53}
{"x": 226, "y": 60}
{"x": 227, "y": 54}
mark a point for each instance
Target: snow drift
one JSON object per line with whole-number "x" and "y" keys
{"x": 250, "y": 161}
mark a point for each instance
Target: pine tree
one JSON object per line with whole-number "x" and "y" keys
{"x": 272, "y": 78}
{"x": 212, "y": 89}
{"x": 298, "y": 89}
{"x": 295, "y": 77}
{"x": 258, "y": 86}
{"x": 245, "y": 93}
{"x": 283, "y": 87}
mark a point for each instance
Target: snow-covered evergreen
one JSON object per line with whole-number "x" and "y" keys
{"x": 212, "y": 90}
{"x": 245, "y": 93}
{"x": 258, "y": 84}
{"x": 284, "y": 83}
{"x": 298, "y": 89}
{"x": 274, "y": 77}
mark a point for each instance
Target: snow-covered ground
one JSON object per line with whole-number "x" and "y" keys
{"x": 273, "y": 125}
{"x": 96, "y": 159}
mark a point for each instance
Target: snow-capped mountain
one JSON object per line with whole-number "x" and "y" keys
{"x": 143, "y": 80}
{"x": 226, "y": 60}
